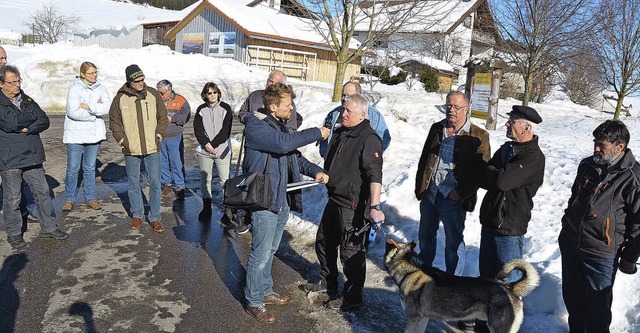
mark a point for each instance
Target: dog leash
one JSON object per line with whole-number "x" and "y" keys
{"x": 386, "y": 236}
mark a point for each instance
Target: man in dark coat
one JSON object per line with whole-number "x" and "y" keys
{"x": 270, "y": 143}
{"x": 600, "y": 228}
{"x": 511, "y": 178}
{"x": 354, "y": 163}
{"x": 21, "y": 122}
{"x": 445, "y": 184}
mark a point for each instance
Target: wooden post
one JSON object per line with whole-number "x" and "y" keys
{"x": 497, "y": 68}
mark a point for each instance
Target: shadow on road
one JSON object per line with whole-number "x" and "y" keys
{"x": 83, "y": 309}
{"x": 10, "y": 300}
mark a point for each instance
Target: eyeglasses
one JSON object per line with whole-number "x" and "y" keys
{"x": 13, "y": 83}
{"x": 212, "y": 93}
{"x": 138, "y": 81}
{"x": 92, "y": 73}
{"x": 455, "y": 107}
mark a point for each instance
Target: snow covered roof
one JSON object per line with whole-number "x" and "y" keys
{"x": 259, "y": 22}
{"x": 10, "y": 34}
{"x": 435, "y": 16}
{"x": 429, "y": 61}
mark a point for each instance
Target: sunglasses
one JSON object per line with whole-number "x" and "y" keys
{"x": 212, "y": 93}
{"x": 138, "y": 81}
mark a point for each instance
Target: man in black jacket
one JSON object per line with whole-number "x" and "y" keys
{"x": 600, "y": 228}
{"x": 21, "y": 121}
{"x": 511, "y": 178}
{"x": 354, "y": 164}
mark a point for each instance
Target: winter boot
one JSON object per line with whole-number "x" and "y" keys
{"x": 205, "y": 214}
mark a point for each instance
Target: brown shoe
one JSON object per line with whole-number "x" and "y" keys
{"x": 68, "y": 206}
{"x": 93, "y": 204}
{"x": 261, "y": 313}
{"x": 167, "y": 190}
{"x": 157, "y": 227}
{"x": 276, "y": 299}
{"x": 135, "y": 223}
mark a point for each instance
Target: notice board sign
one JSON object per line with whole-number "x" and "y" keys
{"x": 480, "y": 95}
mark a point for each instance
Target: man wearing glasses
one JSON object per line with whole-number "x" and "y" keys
{"x": 445, "y": 184}
{"x": 138, "y": 121}
{"x": 21, "y": 122}
{"x": 172, "y": 157}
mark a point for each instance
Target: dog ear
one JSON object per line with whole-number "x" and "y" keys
{"x": 413, "y": 244}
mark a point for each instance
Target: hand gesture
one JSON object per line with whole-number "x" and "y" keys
{"x": 84, "y": 106}
{"x": 325, "y": 132}
{"x": 322, "y": 177}
{"x": 209, "y": 148}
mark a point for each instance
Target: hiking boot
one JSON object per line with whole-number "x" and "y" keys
{"x": 93, "y": 204}
{"x": 180, "y": 194}
{"x": 157, "y": 226}
{"x": 205, "y": 214}
{"x": 166, "y": 190}
{"x": 17, "y": 242}
{"x": 68, "y": 206}
{"x": 135, "y": 223}
{"x": 275, "y": 299}
{"x": 55, "y": 234}
{"x": 242, "y": 229}
{"x": 343, "y": 305}
{"x": 261, "y": 313}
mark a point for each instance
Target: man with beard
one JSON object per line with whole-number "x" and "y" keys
{"x": 600, "y": 228}
{"x": 445, "y": 184}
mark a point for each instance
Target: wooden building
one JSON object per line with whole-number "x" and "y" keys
{"x": 261, "y": 34}
{"x": 153, "y": 33}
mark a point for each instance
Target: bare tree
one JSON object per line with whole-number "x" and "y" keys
{"x": 338, "y": 20}
{"x": 50, "y": 24}
{"x": 582, "y": 78}
{"x": 619, "y": 47}
{"x": 542, "y": 33}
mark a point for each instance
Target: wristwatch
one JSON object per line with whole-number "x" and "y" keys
{"x": 376, "y": 207}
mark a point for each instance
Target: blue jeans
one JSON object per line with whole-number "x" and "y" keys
{"x": 152, "y": 167}
{"x": 452, "y": 217}
{"x": 172, "y": 161}
{"x": 12, "y": 188}
{"x": 77, "y": 154}
{"x": 496, "y": 250}
{"x": 267, "y": 233}
{"x": 587, "y": 289}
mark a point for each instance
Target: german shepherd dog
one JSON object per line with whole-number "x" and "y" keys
{"x": 428, "y": 292}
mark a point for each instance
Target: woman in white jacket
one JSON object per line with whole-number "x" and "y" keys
{"x": 88, "y": 103}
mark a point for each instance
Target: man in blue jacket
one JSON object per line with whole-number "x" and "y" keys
{"x": 271, "y": 140}
{"x": 376, "y": 120}
{"x": 21, "y": 121}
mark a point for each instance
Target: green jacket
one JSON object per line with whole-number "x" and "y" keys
{"x": 138, "y": 120}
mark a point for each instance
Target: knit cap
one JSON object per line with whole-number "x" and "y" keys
{"x": 133, "y": 72}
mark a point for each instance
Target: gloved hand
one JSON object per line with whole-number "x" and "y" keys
{"x": 627, "y": 267}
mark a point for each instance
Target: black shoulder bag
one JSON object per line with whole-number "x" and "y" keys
{"x": 251, "y": 191}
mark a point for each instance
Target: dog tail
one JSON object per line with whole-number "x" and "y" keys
{"x": 527, "y": 282}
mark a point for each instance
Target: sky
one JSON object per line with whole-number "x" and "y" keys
{"x": 565, "y": 139}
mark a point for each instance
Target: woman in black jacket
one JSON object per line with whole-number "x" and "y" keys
{"x": 212, "y": 127}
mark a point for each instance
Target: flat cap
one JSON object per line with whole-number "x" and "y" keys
{"x": 525, "y": 112}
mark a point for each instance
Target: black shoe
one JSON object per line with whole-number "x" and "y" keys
{"x": 55, "y": 234}
{"x": 180, "y": 194}
{"x": 242, "y": 229}
{"x": 17, "y": 242}
{"x": 31, "y": 218}
{"x": 343, "y": 305}
{"x": 205, "y": 214}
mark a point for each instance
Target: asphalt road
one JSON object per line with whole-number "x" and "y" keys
{"x": 107, "y": 278}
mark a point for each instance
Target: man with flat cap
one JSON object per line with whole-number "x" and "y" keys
{"x": 512, "y": 178}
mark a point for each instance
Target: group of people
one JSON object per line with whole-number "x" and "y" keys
{"x": 600, "y": 226}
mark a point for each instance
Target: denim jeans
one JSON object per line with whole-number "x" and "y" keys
{"x": 587, "y": 289}
{"x": 496, "y": 250}
{"x": 223, "y": 165}
{"x": 172, "y": 161}
{"x": 77, "y": 154}
{"x": 267, "y": 233}
{"x": 452, "y": 217}
{"x": 152, "y": 168}
{"x": 12, "y": 188}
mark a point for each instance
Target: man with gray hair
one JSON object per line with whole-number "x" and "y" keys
{"x": 445, "y": 185}
{"x": 172, "y": 152}
{"x": 3, "y": 57}
{"x": 21, "y": 122}
{"x": 354, "y": 165}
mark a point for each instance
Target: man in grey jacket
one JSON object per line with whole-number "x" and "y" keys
{"x": 21, "y": 121}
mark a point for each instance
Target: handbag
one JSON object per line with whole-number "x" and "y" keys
{"x": 249, "y": 191}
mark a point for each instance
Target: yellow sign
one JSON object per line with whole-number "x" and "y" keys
{"x": 480, "y": 95}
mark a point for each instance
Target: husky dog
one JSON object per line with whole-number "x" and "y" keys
{"x": 428, "y": 292}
